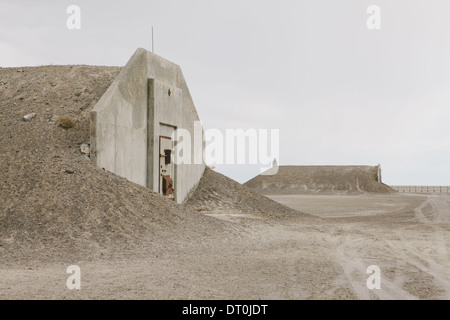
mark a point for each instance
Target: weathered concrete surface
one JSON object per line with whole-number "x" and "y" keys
{"x": 135, "y": 110}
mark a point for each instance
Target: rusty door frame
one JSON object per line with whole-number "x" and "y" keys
{"x": 159, "y": 164}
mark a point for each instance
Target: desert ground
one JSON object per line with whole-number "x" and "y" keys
{"x": 57, "y": 208}
{"x": 324, "y": 256}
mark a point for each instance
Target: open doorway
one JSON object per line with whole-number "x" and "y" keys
{"x": 166, "y": 168}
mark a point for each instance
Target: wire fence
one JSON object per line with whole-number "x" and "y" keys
{"x": 422, "y": 189}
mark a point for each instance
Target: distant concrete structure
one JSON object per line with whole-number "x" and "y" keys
{"x": 272, "y": 171}
{"x": 132, "y": 126}
{"x": 379, "y": 173}
{"x": 289, "y": 180}
{"x": 422, "y": 189}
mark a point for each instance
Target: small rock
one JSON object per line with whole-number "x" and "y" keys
{"x": 85, "y": 149}
{"x": 29, "y": 116}
{"x": 47, "y": 103}
{"x": 62, "y": 106}
{"x": 19, "y": 70}
{"x": 70, "y": 171}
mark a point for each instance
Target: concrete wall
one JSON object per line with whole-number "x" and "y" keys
{"x": 379, "y": 173}
{"x": 135, "y": 110}
{"x": 422, "y": 189}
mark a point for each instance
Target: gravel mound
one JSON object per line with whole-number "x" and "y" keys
{"x": 219, "y": 194}
{"x": 55, "y": 202}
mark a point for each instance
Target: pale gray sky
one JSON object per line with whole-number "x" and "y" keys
{"x": 339, "y": 93}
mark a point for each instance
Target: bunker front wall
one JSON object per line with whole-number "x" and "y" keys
{"x": 148, "y": 99}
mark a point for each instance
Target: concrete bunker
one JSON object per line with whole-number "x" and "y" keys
{"x": 341, "y": 179}
{"x": 133, "y": 124}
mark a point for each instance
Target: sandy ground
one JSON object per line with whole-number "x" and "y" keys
{"x": 323, "y": 257}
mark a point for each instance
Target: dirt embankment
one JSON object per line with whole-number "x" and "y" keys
{"x": 216, "y": 193}
{"x": 320, "y": 180}
{"x": 53, "y": 199}
{"x": 55, "y": 202}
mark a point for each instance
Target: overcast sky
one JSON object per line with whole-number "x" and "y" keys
{"x": 339, "y": 93}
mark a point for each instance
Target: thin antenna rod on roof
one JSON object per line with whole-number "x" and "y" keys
{"x": 153, "y": 47}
